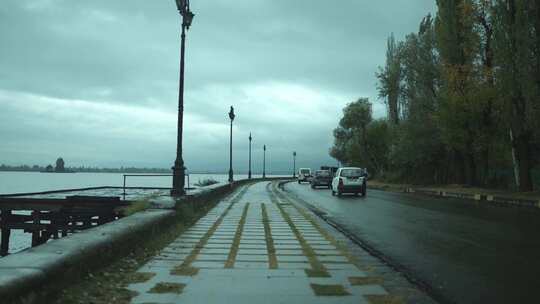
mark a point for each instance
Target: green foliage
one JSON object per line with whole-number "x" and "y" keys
{"x": 390, "y": 80}
{"x": 139, "y": 205}
{"x": 356, "y": 115}
{"x": 455, "y": 91}
{"x": 361, "y": 141}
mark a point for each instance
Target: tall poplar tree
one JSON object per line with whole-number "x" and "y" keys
{"x": 390, "y": 80}
{"x": 516, "y": 56}
{"x": 457, "y": 43}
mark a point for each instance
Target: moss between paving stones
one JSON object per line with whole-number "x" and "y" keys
{"x": 372, "y": 299}
{"x": 329, "y": 290}
{"x": 231, "y": 258}
{"x": 317, "y": 267}
{"x": 139, "y": 277}
{"x": 200, "y": 245}
{"x": 365, "y": 280}
{"x": 185, "y": 271}
{"x": 166, "y": 287}
{"x": 384, "y": 299}
{"x": 317, "y": 273}
{"x": 272, "y": 259}
{"x": 339, "y": 245}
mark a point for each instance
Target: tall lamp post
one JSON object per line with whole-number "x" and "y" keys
{"x": 264, "y": 161}
{"x": 249, "y": 171}
{"x": 231, "y": 116}
{"x": 178, "y": 168}
{"x": 294, "y": 164}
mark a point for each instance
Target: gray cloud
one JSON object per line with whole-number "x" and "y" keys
{"x": 96, "y": 81}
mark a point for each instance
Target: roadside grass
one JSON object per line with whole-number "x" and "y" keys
{"x": 206, "y": 182}
{"x": 139, "y": 205}
{"x": 140, "y": 277}
{"x": 165, "y": 287}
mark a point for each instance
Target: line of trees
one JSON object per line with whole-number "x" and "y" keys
{"x": 463, "y": 100}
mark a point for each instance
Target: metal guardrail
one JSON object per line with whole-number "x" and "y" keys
{"x": 147, "y": 175}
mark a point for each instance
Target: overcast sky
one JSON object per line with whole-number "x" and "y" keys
{"x": 96, "y": 82}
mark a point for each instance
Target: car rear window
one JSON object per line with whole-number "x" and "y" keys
{"x": 322, "y": 173}
{"x": 352, "y": 172}
{"x": 304, "y": 171}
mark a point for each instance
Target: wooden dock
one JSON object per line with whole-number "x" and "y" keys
{"x": 53, "y": 218}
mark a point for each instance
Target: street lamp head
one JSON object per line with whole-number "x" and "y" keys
{"x": 188, "y": 18}
{"x": 187, "y": 15}
{"x": 250, "y": 136}
{"x": 294, "y": 153}
{"x": 231, "y": 113}
{"x": 182, "y": 5}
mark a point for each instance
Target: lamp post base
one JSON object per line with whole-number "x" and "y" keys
{"x": 178, "y": 180}
{"x": 231, "y": 176}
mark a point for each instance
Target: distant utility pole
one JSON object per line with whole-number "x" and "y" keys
{"x": 264, "y": 161}
{"x": 249, "y": 172}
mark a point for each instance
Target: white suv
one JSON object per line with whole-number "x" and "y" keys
{"x": 349, "y": 180}
{"x": 304, "y": 174}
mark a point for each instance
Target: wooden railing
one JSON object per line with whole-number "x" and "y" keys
{"x": 53, "y": 218}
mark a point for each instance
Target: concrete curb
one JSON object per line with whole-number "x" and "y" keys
{"x": 30, "y": 275}
{"x": 481, "y": 197}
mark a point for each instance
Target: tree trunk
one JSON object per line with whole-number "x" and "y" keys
{"x": 469, "y": 169}
{"x": 515, "y": 164}
{"x": 368, "y": 152}
{"x": 458, "y": 168}
{"x": 523, "y": 156}
{"x": 485, "y": 165}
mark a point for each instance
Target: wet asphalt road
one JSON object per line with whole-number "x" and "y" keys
{"x": 469, "y": 253}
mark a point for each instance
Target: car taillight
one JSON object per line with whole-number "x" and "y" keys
{"x": 340, "y": 182}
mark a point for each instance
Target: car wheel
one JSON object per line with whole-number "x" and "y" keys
{"x": 312, "y": 186}
{"x": 299, "y": 182}
{"x": 356, "y": 193}
{"x": 364, "y": 190}
{"x": 339, "y": 193}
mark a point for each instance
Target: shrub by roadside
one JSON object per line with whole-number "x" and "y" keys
{"x": 206, "y": 182}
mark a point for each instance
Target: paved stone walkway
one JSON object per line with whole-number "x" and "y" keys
{"x": 257, "y": 247}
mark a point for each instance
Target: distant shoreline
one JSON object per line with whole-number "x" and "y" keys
{"x": 88, "y": 170}
{"x": 142, "y": 171}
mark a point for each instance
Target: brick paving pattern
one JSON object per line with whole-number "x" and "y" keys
{"x": 256, "y": 246}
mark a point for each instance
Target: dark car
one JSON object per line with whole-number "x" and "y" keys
{"x": 321, "y": 178}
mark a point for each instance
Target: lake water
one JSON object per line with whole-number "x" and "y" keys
{"x": 24, "y": 182}
{"x": 21, "y": 182}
